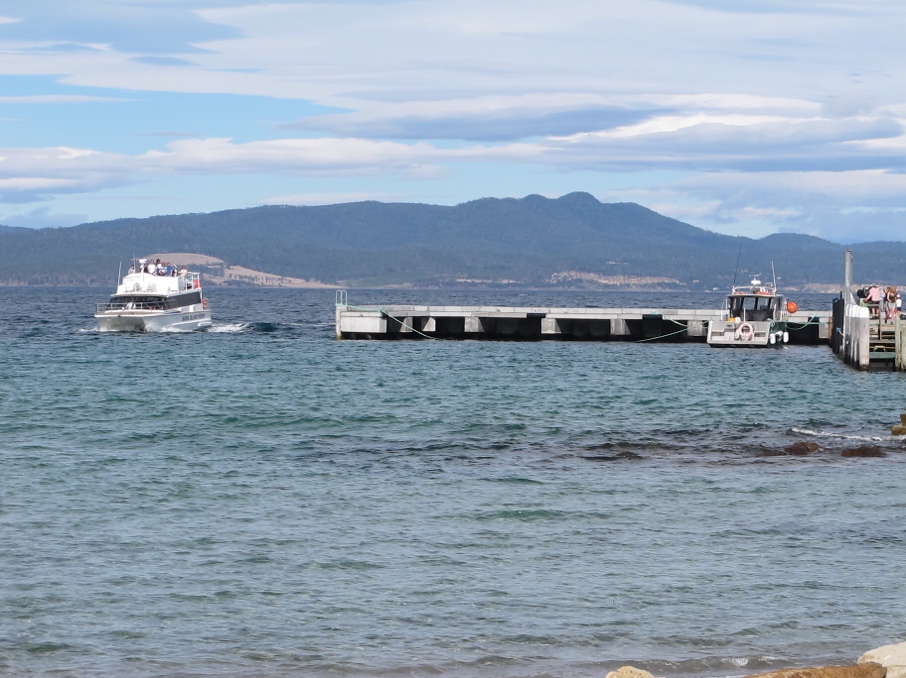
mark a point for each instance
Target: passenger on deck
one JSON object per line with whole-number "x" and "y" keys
{"x": 152, "y": 268}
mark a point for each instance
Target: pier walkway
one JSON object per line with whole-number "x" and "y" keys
{"x": 546, "y": 323}
{"x": 863, "y": 341}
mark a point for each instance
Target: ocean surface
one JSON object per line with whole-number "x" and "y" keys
{"x": 261, "y": 500}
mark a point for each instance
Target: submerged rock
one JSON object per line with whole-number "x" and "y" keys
{"x": 864, "y": 451}
{"x": 802, "y": 448}
{"x": 614, "y": 457}
{"x": 865, "y": 670}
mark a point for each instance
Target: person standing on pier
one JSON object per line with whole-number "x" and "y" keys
{"x": 873, "y": 299}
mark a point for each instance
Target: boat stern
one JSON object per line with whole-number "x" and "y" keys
{"x": 754, "y": 334}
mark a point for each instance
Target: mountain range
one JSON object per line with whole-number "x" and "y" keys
{"x": 573, "y": 241}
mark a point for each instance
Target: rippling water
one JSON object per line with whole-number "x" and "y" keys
{"x": 262, "y": 500}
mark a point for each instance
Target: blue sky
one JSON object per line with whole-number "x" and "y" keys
{"x": 746, "y": 117}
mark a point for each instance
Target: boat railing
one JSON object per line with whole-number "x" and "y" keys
{"x": 106, "y": 306}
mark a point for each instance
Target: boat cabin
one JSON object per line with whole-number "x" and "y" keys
{"x": 148, "y": 302}
{"x": 754, "y": 308}
{"x": 758, "y": 302}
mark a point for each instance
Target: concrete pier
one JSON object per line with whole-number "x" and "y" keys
{"x": 543, "y": 323}
{"x": 863, "y": 341}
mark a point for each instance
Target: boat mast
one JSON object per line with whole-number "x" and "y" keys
{"x": 738, "y": 254}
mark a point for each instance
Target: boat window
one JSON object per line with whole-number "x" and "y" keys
{"x": 153, "y": 303}
{"x": 186, "y": 299}
{"x": 760, "y": 303}
{"x": 137, "y": 301}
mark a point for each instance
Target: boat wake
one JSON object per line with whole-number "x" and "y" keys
{"x": 841, "y": 436}
{"x": 230, "y": 327}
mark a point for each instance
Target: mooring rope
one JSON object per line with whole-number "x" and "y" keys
{"x": 663, "y": 336}
{"x": 384, "y": 312}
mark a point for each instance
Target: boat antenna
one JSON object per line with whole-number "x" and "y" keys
{"x": 738, "y": 254}
{"x": 774, "y": 275}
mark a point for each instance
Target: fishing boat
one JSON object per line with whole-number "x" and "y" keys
{"x": 154, "y": 297}
{"x": 755, "y": 315}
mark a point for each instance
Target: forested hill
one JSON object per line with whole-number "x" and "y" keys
{"x": 572, "y": 241}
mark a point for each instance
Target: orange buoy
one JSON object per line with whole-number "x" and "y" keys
{"x": 792, "y": 307}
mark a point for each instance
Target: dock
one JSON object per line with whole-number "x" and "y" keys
{"x": 510, "y": 323}
{"x": 862, "y": 339}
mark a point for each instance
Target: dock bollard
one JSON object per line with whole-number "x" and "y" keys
{"x": 901, "y": 429}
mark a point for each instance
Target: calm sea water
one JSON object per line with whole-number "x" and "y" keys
{"x": 263, "y": 500}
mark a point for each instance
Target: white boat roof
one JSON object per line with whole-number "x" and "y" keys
{"x": 146, "y": 283}
{"x": 756, "y": 287}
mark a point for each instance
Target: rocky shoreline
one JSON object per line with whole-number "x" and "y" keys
{"x": 887, "y": 661}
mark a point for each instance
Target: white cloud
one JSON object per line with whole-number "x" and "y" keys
{"x": 308, "y": 156}
{"x": 756, "y": 104}
{"x": 42, "y": 217}
{"x": 38, "y": 99}
{"x": 30, "y": 173}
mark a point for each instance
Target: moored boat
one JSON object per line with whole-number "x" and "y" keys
{"x": 154, "y": 297}
{"x": 755, "y": 315}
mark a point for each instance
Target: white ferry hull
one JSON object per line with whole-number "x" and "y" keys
{"x": 143, "y": 321}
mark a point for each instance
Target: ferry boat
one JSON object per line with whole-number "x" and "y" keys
{"x": 755, "y": 315}
{"x": 155, "y": 298}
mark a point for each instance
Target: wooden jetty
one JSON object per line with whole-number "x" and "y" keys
{"x": 863, "y": 341}
{"x": 547, "y": 323}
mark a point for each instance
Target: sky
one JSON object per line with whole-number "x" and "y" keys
{"x": 743, "y": 117}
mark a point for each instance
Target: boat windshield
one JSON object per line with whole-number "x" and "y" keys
{"x": 753, "y": 307}
{"x": 752, "y": 303}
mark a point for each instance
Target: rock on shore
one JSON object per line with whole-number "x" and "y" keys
{"x": 887, "y": 661}
{"x": 893, "y": 657}
{"x": 866, "y": 670}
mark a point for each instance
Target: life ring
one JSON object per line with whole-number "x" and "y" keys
{"x": 204, "y": 303}
{"x": 745, "y": 332}
{"x": 196, "y": 283}
{"x": 792, "y": 307}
